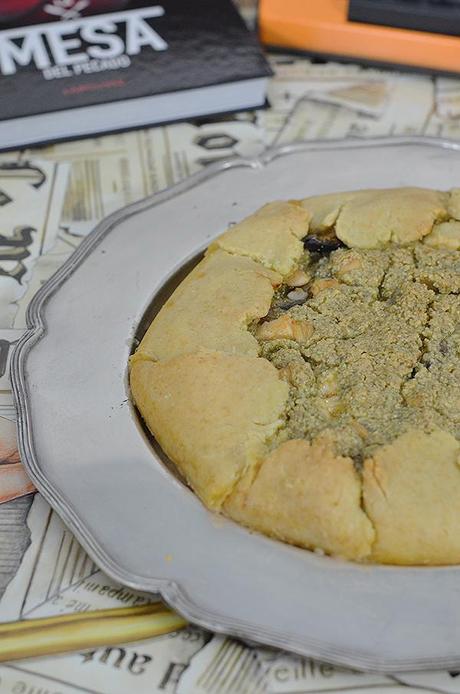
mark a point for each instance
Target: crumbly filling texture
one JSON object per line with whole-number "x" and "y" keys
{"x": 369, "y": 342}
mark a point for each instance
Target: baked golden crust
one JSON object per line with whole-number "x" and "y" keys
{"x": 376, "y": 218}
{"x": 324, "y": 209}
{"x": 445, "y": 235}
{"x": 453, "y": 206}
{"x": 411, "y": 491}
{"x": 304, "y": 494}
{"x": 218, "y": 409}
{"x": 211, "y": 309}
{"x": 270, "y": 236}
{"x": 212, "y": 414}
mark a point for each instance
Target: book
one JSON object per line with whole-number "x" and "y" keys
{"x": 342, "y": 30}
{"x": 139, "y": 65}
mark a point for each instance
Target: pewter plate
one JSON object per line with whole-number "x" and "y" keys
{"x": 85, "y": 449}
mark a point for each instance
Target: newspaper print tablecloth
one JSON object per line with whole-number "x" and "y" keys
{"x": 49, "y": 200}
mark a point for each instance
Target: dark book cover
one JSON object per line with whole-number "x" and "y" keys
{"x": 136, "y": 49}
{"x": 417, "y": 15}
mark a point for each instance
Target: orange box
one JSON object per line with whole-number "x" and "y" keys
{"x": 322, "y": 27}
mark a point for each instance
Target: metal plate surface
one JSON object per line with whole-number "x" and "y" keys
{"x": 84, "y": 448}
